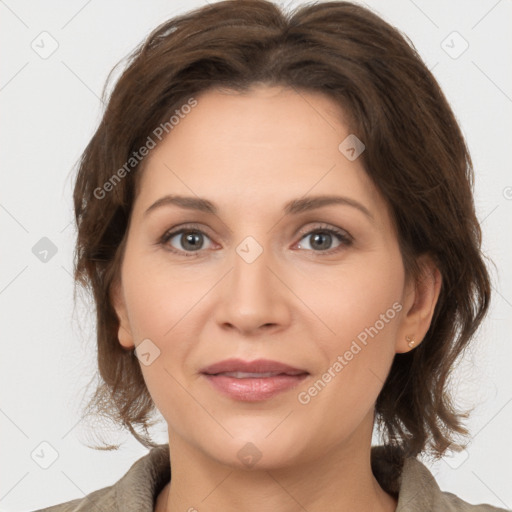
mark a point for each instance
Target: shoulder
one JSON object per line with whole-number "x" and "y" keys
{"x": 415, "y": 486}
{"x": 419, "y": 491}
{"x": 134, "y": 492}
{"x": 102, "y": 499}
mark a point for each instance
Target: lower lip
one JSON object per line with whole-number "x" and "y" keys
{"x": 254, "y": 389}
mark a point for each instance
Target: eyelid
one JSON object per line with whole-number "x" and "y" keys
{"x": 177, "y": 230}
{"x": 345, "y": 237}
{"x": 327, "y": 227}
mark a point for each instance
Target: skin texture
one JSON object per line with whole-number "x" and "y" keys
{"x": 300, "y": 302}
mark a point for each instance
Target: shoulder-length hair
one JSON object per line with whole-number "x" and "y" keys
{"x": 415, "y": 154}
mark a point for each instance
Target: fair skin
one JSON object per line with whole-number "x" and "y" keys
{"x": 302, "y": 302}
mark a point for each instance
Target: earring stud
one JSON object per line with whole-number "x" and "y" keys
{"x": 410, "y": 341}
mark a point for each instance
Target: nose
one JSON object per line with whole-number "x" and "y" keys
{"x": 254, "y": 297}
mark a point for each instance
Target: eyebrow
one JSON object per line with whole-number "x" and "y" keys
{"x": 293, "y": 207}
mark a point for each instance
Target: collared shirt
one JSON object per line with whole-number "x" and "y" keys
{"x": 412, "y": 484}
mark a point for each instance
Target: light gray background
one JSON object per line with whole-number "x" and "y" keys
{"x": 50, "y": 108}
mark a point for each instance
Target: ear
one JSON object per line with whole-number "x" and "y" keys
{"x": 124, "y": 332}
{"x": 420, "y": 299}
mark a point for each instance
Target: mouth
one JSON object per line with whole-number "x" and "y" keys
{"x": 252, "y": 381}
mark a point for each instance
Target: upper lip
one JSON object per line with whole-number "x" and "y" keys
{"x": 256, "y": 366}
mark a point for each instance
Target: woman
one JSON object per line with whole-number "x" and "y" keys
{"x": 275, "y": 218}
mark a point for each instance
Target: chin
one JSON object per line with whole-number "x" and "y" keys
{"x": 254, "y": 450}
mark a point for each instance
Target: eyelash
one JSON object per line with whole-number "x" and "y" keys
{"x": 345, "y": 239}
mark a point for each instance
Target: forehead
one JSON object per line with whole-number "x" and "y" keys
{"x": 245, "y": 147}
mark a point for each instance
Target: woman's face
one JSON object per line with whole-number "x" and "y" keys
{"x": 318, "y": 286}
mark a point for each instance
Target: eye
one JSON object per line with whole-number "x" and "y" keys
{"x": 189, "y": 240}
{"x": 322, "y": 238}
{"x": 185, "y": 240}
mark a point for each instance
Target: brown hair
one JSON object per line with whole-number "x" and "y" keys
{"x": 415, "y": 154}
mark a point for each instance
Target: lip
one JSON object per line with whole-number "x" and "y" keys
{"x": 278, "y": 377}
{"x": 256, "y": 366}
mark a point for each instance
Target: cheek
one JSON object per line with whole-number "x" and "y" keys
{"x": 163, "y": 306}
{"x": 161, "y": 312}
{"x": 359, "y": 313}
{"x": 157, "y": 300}
{"x": 354, "y": 299}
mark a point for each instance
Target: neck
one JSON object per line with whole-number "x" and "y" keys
{"x": 341, "y": 480}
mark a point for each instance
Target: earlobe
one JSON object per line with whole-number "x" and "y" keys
{"x": 410, "y": 341}
{"x": 124, "y": 331}
{"x": 421, "y": 306}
